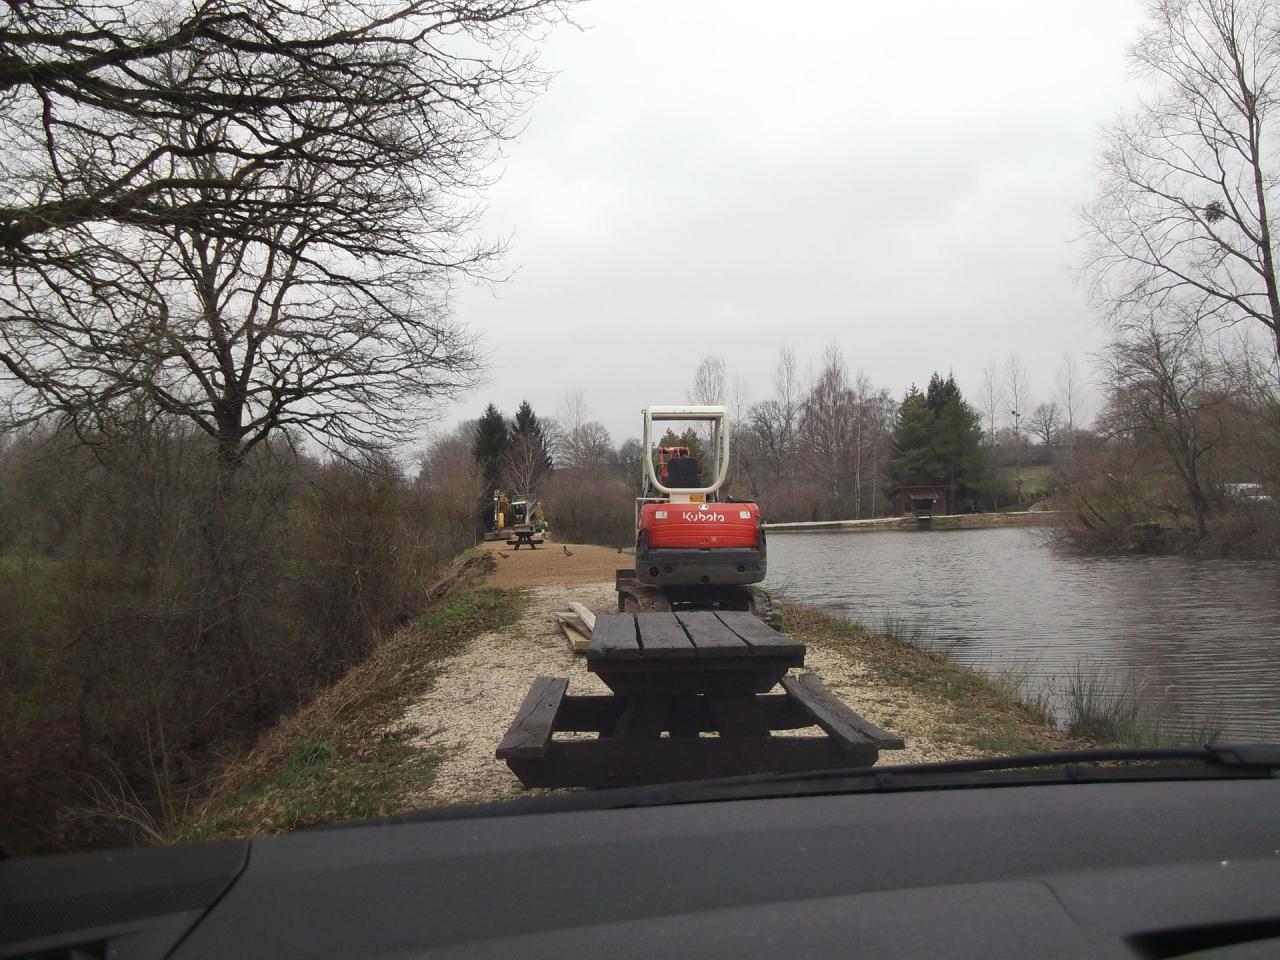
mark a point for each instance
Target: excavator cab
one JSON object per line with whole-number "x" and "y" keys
{"x": 683, "y": 473}
{"x": 695, "y": 550}
{"x": 685, "y": 537}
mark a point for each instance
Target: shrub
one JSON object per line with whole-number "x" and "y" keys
{"x": 155, "y": 614}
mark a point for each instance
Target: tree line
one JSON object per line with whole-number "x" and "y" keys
{"x": 1181, "y": 263}
{"x": 826, "y": 444}
{"x": 227, "y": 236}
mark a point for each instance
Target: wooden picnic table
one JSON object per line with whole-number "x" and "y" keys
{"x": 520, "y": 537}
{"x": 689, "y": 700}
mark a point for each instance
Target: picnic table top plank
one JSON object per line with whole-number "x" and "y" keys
{"x": 710, "y": 637}
{"x": 761, "y": 637}
{"x": 614, "y": 637}
{"x": 661, "y": 633}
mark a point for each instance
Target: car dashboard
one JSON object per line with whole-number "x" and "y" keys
{"x": 1123, "y": 870}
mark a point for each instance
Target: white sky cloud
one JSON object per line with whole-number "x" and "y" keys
{"x": 732, "y": 177}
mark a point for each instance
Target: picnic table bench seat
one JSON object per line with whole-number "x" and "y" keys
{"x": 690, "y": 700}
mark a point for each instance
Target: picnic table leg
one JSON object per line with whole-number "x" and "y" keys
{"x": 738, "y": 715}
{"x": 643, "y": 717}
{"x": 684, "y": 716}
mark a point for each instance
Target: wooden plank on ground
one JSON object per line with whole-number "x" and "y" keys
{"x": 614, "y": 637}
{"x": 568, "y": 618}
{"x": 586, "y": 615}
{"x": 834, "y": 716}
{"x": 761, "y": 637}
{"x": 662, "y": 635}
{"x": 530, "y": 732}
{"x": 578, "y": 641}
{"x": 710, "y": 637}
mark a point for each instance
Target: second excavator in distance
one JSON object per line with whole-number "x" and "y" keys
{"x": 695, "y": 550}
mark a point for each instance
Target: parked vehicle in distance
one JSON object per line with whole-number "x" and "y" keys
{"x": 1246, "y": 492}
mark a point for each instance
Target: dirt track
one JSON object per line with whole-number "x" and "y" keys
{"x": 554, "y": 564}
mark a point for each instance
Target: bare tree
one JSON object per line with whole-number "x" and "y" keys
{"x": 746, "y": 450}
{"x": 589, "y": 447}
{"x": 456, "y": 482}
{"x": 573, "y": 412}
{"x": 709, "y": 382}
{"x": 88, "y": 99}
{"x": 739, "y": 399}
{"x": 863, "y": 418}
{"x": 299, "y": 286}
{"x": 553, "y": 435}
{"x": 1163, "y": 384}
{"x": 775, "y": 422}
{"x": 1045, "y": 423}
{"x": 1017, "y": 391}
{"x": 991, "y": 404}
{"x": 709, "y": 388}
{"x": 883, "y": 412}
{"x": 1069, "y": 395}
{"x": 584, "y": 444}
{"x": 991, "y": 398}
{"x": 826, "y": 426}
{"x": 1183, "y": 214}
{"x": 525, "y": 464}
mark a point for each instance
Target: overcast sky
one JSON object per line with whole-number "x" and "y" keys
{"x": 901, "y": 179}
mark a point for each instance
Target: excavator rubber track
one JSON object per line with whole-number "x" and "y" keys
{"x": 637, "y": 597}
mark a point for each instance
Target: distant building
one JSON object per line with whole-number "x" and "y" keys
{"x": 923, "y": 499}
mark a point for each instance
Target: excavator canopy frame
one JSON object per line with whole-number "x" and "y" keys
{"x": 719, "y": 466}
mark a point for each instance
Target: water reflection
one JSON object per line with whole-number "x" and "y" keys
{"x": 1205, "y": 632}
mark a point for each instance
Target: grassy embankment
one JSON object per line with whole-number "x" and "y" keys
{"x": 996, "y": 713}
{"x": 342, "y": 757}
{"x": 978, "y": 712}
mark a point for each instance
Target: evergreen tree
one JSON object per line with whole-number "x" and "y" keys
{"x": 526, "y": 460}
{"x": 937, "y": 438}
{"x": 526, "y": 424}
{"x": 912, "y": 457}
{"x": 957, "y": 447}
{"x": 940, "y": 392}
{"x": 691, "y": 439}
{"x": 490, "y": 445}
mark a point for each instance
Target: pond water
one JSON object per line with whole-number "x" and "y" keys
{"x": 1201, "y": 636}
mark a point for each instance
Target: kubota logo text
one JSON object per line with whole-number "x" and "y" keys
{"x": 702, "y": 517}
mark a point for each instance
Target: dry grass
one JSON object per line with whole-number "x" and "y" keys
{"x": 961, "y": 709}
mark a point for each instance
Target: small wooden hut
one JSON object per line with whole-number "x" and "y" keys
{"x": 922, "y": 500}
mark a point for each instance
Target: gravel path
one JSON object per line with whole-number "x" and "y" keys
{"x": 480, "y": 690}
{"x": 893, "y": 708}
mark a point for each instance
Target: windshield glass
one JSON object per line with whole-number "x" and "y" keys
{"x": 407, "y": 408}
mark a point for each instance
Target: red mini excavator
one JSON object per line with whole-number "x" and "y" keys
{"x": 694, "y": 550}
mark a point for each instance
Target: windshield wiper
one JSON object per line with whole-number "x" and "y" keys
{"x": 1214, "y": 762}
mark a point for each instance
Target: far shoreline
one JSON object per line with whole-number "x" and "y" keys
{"x": 954, "y": 521}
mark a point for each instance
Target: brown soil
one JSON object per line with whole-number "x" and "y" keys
{"x": 553, "y": 564}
